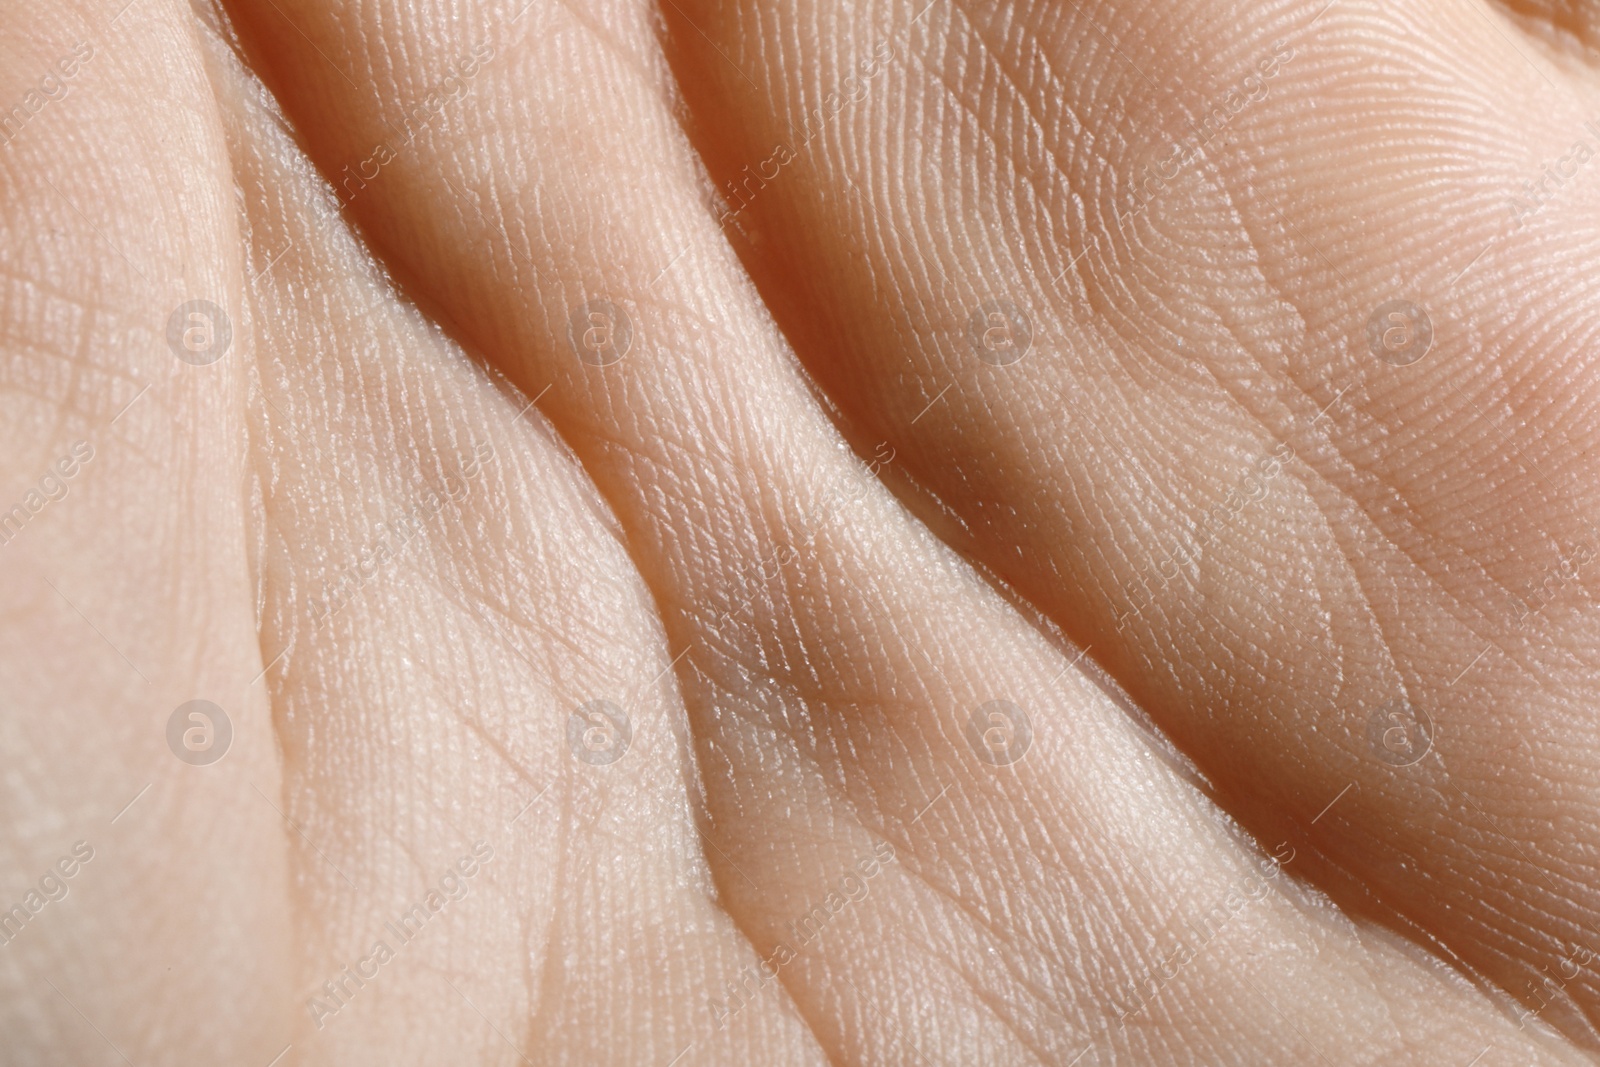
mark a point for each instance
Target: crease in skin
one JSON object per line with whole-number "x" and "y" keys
{"x": 878, "y": 599}
{"x": 837, "y": 602}
{"x": 363, "y": 398}
{"x": 776, "y": 221}
{"x": 1376, "y": 528}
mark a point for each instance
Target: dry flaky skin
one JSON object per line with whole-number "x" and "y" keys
{"x": 400, "y": 579}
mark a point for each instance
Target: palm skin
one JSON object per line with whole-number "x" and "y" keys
{"x": 801, "y": 532}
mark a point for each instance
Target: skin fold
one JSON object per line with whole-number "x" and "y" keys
{"x": 980, "y": 697}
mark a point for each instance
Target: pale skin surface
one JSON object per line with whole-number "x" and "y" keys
{"x": 801, "y": 531}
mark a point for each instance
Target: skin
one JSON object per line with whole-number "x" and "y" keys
{"x": 1207, "y": 547}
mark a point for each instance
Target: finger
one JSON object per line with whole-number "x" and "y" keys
{"x": 830, "y": 703}
{"x": 144, "y": 876}
{"x": 1221, "y": 462}
{"x": 493, "y": 854}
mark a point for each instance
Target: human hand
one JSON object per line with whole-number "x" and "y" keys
{"x": 1155, "y": 626}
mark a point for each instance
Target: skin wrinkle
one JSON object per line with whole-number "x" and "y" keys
{"x": 1373, "y": 514}
{"x": 542, "y": 988}
{"x": 445, "y": 576}
{"x": 973, "y": 915}
{"x": 1375, "y": 520}
{"x": 995, "y": 1005}
{"x": 384, "y": 701}
{"x": 1322, "y": 613}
